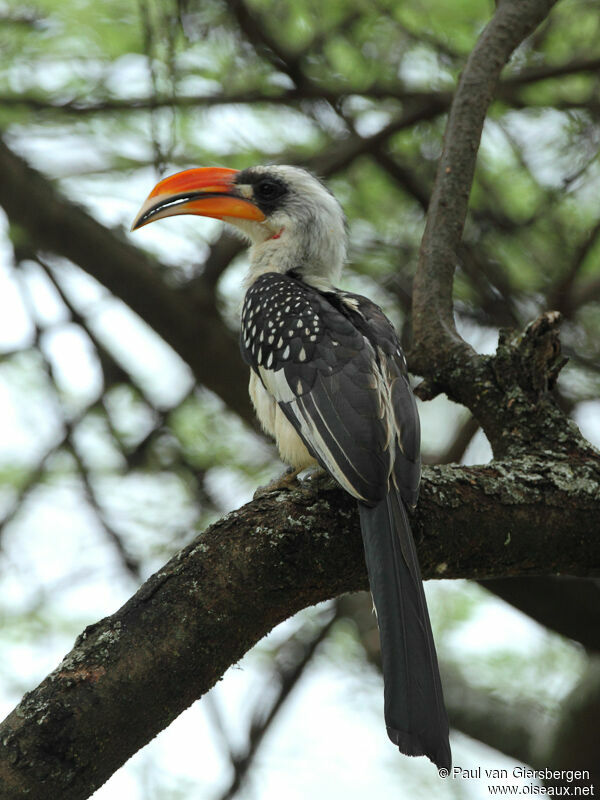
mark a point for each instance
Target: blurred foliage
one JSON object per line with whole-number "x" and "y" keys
{"x": 100, "y": 421}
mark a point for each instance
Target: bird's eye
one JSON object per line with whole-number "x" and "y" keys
{"x": 268, "y": 189}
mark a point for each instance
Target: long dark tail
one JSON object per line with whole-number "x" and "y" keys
{"x": 414, "y": 705}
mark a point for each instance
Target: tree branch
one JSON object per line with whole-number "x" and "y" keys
{"x": 131, "y": 674}
{"x": 507, "y": 393}
{"x": 544, "y": 72}
{"x": 82, "y": 106}
{"x": 435, "y": 334}
{"x": 254, "y": 29}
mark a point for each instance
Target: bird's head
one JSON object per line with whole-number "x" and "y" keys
{"x": 289, "y": 216}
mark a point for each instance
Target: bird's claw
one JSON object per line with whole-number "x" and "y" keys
{"x": 285, "y": 482}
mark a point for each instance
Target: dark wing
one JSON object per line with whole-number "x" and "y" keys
{"x": 333, "y": 363}
{"x": 370, "y": 320}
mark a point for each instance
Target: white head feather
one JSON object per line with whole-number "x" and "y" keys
{"x": 305, "y": 231}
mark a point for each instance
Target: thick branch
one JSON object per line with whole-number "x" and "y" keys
{"x": 131, "y": 674}
{"x": 435, "y": 334}
{"x": 509, "y": 393}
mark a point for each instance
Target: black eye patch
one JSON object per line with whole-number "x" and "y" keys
{"x": 268, "y": 190}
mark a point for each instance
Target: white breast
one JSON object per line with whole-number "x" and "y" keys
{"x": 274, "y": 422}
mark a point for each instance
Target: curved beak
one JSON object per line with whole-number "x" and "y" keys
{"x": 207, "y": 191}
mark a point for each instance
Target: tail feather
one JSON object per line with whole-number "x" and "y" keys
{"x": 414, "y": 705}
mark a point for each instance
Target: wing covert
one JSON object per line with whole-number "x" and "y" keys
{"x": 334, "y": 366}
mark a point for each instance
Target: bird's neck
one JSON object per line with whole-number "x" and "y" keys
{"x": 284, "y": 251}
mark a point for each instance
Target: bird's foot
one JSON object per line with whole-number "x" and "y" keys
{"x": 319, "y": 478}
{"x": 285, "y": 482}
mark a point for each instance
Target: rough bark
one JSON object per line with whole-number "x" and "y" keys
{"x": 132, "y": 673}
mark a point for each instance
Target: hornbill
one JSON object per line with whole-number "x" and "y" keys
{"x": 329, "y": 382}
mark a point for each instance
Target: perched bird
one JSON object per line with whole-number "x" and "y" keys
{"x": 329, "y": 382}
